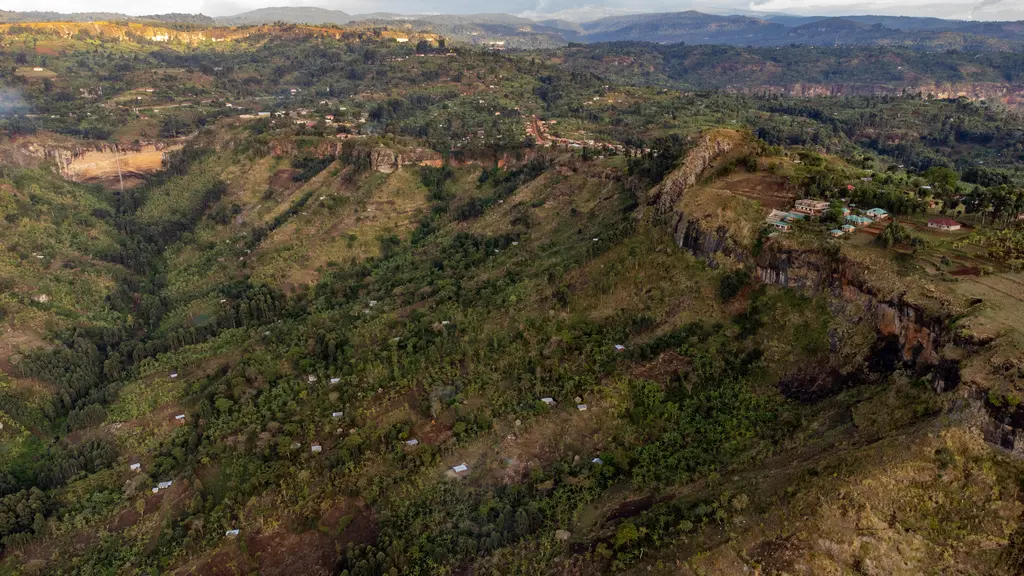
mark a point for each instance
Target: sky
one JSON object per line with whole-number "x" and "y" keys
{"x": 574, "y": 9}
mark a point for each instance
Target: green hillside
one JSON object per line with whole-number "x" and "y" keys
{"x": 387, "y": 261}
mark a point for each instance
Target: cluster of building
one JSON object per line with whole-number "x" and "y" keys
{"x": 809, "y": 207}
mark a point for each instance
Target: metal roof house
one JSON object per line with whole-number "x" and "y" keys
{"x": 316, "y": 448}
{"x": 231, "y": 533}
{"x": 135, "y": 467}
{"x": 945, "y": 224}
{"x": 460, "y": 469}
{"x": 859, "y": 221}
{"x": 412, "y": 442}
{"x": 549, "y": 401}
{"x": 337, "y": 414}
{"x": 877, "y": 214}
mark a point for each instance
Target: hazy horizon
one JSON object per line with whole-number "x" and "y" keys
{"x": 571, "y": 9}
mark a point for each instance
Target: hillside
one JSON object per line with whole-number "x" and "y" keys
{"x": 374, "y": 302}
{"x": 690, "y": 27}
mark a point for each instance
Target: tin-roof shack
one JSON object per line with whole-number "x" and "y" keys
{"x": 460, "y": 469}
{"x": 231, "y": 533}
{"x": 180, "y": 417}
{"x": 335, "y": 380}
{"x": 549, "y": 401}
{"x": 412, "y": 442}
{"x": 135, "y": 467}
{"x": 581, "y": 407}
{"x": 316, "y": 448}
{"x": 337, "y": 414}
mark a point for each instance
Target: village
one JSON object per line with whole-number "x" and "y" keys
{"x": 853, "y": 219}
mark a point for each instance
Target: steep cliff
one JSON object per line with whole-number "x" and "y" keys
{"x": 1008, "y": 94}
{"x": 93, "y": 162}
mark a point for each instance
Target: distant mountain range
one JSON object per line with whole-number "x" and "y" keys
{"x": 668, "y": 28}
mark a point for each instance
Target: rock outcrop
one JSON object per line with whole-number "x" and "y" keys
{"x": 384, "y": 160}
{"x": 707, "y": 149}
{"x": 96, "y": 162}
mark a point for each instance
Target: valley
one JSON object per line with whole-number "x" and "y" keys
{"x": 365, "y": 299}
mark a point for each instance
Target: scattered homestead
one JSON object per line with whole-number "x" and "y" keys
{"x": 174, "y": 375}
{"x": 877, "y": 214}
{"x": 811, "y": 207}
{"x": 620, "y": 348}
{"x": 335, "y": 380}
{"x": 162, "y": 486}
{"x": 944, "y": 224}
{"x": 597, "y": 461}
{"x": 316, "y": 448}
{"x": 231, "y": 533}
{"x": 549, "y": 401}
{"x": 412, "y": 442}
{"x": 180, "y": 417}
{"x": 337, "y": 414}
{"x": 135, "y": 467}
{"x": 460, "y": 469}
{"x": 581, "y": 407}
{"x": 311, "y": 378}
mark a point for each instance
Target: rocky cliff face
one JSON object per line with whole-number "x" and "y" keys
{"x": 99, "y": 162}
{"x": 707, "y": 149}
{"x": 384, "y": 160}
{"x": 912, "y": 335}
{"x": 916, "y": 335}
{"x": 1007, "y": 94}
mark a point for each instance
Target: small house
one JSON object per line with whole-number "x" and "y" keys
{"x": 944, "y": 224}
{"x": 316, "y": 448}
{"x": 858, "y": 221}
{"x": 836, "y": 232}
{"x": 311, "y": 378}
{"x": 620, "y": 348}
{"x": 581, "y": 407}
{"x": 597, "y": 461}
{"x": 811, "y": 207}
{"x": 174, "y": 375}
{"x": 164, "y": 485}
{"x": 776, "y": 216}
{"x": 782, "y": 226}
{"x": 135, "y": 467}
{"x": 848, "y": 228}
{"x": 460, "y": 469}
{"x": 877, "y": 214}
{"x": 412, "y": 442}
{"x": 335, "y": 380}
{"x": 549, "y": 401}
{"x": 231, "y": 533}
{"x": 337, "y": 414}
{"x": 445, "y": 322}
{"x": 180, "y": 418}
{"x": 846, "y": 211}
{"x": 793, "y": 217}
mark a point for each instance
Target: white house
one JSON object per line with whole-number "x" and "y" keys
{"x": 549, "y": 401}
{"x": 316, "y": 448}
{"x": 944, "y": 224}
{"x": 460, "y": 469}
{"x": 135, "y": 467}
